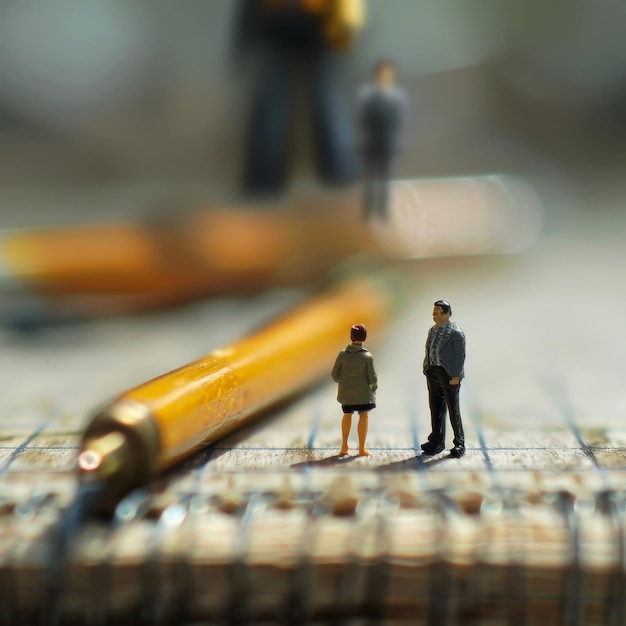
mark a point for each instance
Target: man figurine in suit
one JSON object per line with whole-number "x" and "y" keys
{"x": 355, "y": 373}
{"x": 443, "y": 367}
{"x": 382, "y": 114}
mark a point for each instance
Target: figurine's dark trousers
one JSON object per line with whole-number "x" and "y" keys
{"x": 441, "y": 396}
{"x": 271, "y": 128}
{"x": 376, "y": 174}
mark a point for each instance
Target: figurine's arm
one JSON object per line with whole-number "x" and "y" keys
{"x": 336, "y": 373}
{"x": 425, "y": 363}
{"x": 404, "y": 128}
{"x": 346, "y": 18}
{"x": 372, "y": 378}
{"x": 363, "y": 94}
{"x": 351, "y": 13}
{"x": 458, "y": 344}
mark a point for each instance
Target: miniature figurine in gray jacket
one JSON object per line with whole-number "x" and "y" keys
{"x": 355, "y": 373}
{"x": 443, "y": 367}
{"x": 382, "y": 115}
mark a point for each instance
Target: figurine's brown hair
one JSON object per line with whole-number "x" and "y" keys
{"x": 382, "y": 64}
{"x": 358, "y": 332}
{"x": 445, "y": 306}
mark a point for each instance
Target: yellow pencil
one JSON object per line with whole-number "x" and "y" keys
{"x": 109, "y": 268}
{"x": 149, "y": 428}
{"x": 214, "y": 251}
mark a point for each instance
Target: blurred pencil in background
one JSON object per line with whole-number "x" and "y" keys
{"x": 131, "y": 265}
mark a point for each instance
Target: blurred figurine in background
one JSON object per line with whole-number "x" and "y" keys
{"x": 355, "y": 373}
{"x": 295, "y": 36}
{"x": 382, "y": 115}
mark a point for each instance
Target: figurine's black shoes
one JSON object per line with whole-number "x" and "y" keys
{"x": 457, "y": 452}
{"x": 431, "y": 448}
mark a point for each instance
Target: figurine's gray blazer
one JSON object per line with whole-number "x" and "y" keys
{"x": 355, "y": 373}
{"x": 382, "y": 118}
{"x": 451, "y": 349}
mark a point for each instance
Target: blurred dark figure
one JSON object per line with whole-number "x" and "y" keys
{"x": 292, "y": 36}
{"x": 383, "y": 114}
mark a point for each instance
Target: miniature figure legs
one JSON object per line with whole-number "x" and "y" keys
{"x": 346, "y": 424}
{"x": 335, "y": 153}
{"x": 441, "y": 396}
{"x": 376, "y": 172}
{"x": 362, "y": 431}
{"x": 268, "y": 133}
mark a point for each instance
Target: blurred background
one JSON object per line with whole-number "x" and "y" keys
{"x": 127, "y": 110}
{"x": 146, "y": 95}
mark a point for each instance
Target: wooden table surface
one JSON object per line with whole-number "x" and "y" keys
{"x": 543, "y": 401}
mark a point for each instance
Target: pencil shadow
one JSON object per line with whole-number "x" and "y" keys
{"x": 330, "y": 461}
{"x": 417, "y": 462}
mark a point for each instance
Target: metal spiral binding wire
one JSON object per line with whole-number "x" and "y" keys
{"x": 377, "y": 584}
{"x": 25, "y": 511}
{"x": 346, "y": 599}
{"x": 441, "y": 579}
{"x": 566, "y": 502}
{"x": 101, "y": 580}
{"x": 298, "y": 607}
{"x": 518, "y": 575}
{"x": 239, "y": 611}
{"x": 154, "y": 606}
{"x": 607, "y": 502}
{"x": 365, "y": 577}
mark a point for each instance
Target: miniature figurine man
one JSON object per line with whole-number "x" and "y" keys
{"x": 382, "y": 114}
{"x": 355, "y": 373}
{"x": 443, "y": 367}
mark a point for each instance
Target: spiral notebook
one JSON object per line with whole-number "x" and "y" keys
{"x": 270, "y": 526}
